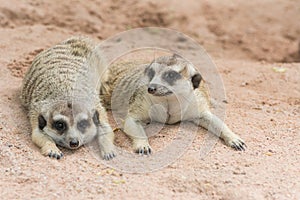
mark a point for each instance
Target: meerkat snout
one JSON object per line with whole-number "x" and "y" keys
{"x": 159, "y": 90}
{"x": 152, "y": 88}
{"x": 74, "y": 143}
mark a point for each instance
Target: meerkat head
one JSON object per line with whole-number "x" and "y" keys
{"x": 69, "y": 124}
{"x": 171, "y": 75}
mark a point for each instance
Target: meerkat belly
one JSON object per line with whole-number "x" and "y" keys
{"x": 182, "y": 112}
{"x": 171, "y": 112}
{"x": 158, "y": 112}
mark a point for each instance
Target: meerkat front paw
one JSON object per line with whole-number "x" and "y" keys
{"x": 236, "y": 143}
{"x": 107, "y": 147}
{"x": 52, "y": 151}
{"x": 142, "y": 147}
{"x": 108, "y": 155}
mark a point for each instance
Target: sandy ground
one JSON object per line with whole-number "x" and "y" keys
{"x": 245, "y": 39}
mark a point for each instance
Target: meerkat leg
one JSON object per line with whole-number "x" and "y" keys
{"x": 47, "y": 145}
{"x": 106, "y": 142}
{"x": 105, "y": 134}
{"x": 214, "y": 124}
{"x": 136, "y": 132}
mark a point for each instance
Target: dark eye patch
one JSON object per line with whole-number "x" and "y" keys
{"x": 171, "y": 76}
{"x": 150, "y": 72}
{"x": 82, "y": 125}
{"x": 42, "y": 122}
{"x": 60, "y": 126}
{"x": 96, "y": 118}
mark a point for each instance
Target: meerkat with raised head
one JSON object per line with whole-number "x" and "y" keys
{"x": 167, "y": 90}
{"x": 63, "y": 99}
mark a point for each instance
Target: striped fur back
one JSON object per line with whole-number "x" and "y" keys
{"x": 122, "y": 78}
{"x": 60, "y": 72}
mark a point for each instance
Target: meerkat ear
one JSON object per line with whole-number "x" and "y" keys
{"x": 196, "y": 80}
{"x": 96, "y": 118}
{"x": 194, "y": 75}
{"x": 42, "y": 122}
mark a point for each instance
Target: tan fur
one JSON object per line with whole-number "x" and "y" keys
{"x": 61, "y": 83}
{"x": 125, "y": 91}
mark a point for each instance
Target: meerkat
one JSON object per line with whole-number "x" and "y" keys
{"x": 167, "y": 90}
{"x": 63, "y": 99}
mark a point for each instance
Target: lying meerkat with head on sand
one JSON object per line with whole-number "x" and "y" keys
{"x": 63, "y": 101}
{"x": 168, "y": 90}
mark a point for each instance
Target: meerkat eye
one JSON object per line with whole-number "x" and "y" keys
{"x": 83, "y": 124}
{"x": 60, "y": 125}
{"x": 171, "y": 76}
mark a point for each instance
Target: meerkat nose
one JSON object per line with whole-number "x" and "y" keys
{"x": 152, "y": 89}
{"x": 74, "y": 143}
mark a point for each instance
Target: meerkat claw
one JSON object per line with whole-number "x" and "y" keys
{"x": 109, "y": 156}
{"x": 144, "y": 151}
{"x": 239, "y": 145}
{"x": 55, "y": 155}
